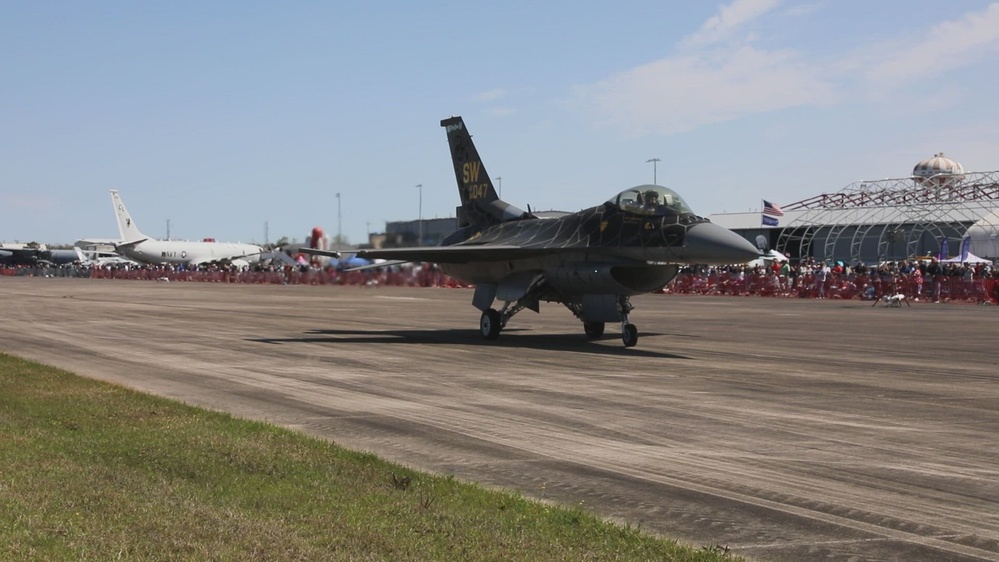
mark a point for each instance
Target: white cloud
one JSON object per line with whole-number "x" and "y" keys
{"x": 682, "y": 93}
{"x": 947, "y": 46}
{"x": 718, "y": 75}
{"x": 729, "y": 20}
{"x": 974, "y": 146}
{"x": 804, "y": 9}
{"x": 28, "y": 202}
{"x": 494, "y": 95}
{"x": 499, "y": 111}
{"x": 490, "y": 95}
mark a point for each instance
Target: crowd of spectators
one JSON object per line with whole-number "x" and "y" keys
{"x": 917, "y": 280}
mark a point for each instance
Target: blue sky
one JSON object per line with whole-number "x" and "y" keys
{"x": 223, "y": 116}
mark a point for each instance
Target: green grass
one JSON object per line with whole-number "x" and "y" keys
{"x": 92, "y": 471}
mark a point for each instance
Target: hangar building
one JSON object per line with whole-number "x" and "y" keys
{"x": 939, "y": 209}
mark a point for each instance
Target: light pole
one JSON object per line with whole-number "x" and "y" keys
{"x": 654, "y": 162}
{"x": 500, "y": 180}
{"x": 339, "y": 233}
{"x": 419, "y": 240}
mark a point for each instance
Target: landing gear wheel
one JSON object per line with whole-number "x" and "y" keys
{"x": 593, "y": 329}
{"x": 629, "y": 334}
{"x": 489, "y": 324}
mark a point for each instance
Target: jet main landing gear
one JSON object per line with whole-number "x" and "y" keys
{"x": 595, "y": 328}
{"x": 492, "y": 321}
{"x": 490, "y": 324}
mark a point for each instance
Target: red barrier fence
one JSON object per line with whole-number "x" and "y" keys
{"x": 417, "y": 277}
{"x": 941, "y": 288}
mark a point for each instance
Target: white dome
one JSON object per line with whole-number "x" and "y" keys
{"x": 939, "y": 167}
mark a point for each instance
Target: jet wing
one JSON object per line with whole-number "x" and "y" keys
{"x": 458, "y": 254}
{"x": 336, "y": 255}
{"x": 442, "y": 254}
{"x": 317, "y": 252}
{"x": 462, "y": 253}
{"x": 279, "y": 256}
{"x": 388, "y": 263}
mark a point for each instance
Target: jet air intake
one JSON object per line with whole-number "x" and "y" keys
{"x": 613, "y": 279}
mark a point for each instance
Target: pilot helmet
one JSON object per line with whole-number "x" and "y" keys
{"x": 651, "y": 196}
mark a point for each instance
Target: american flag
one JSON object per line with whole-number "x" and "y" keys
{"x": 772, "y": 209}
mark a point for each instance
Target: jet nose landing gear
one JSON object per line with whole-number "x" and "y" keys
{"x": 629, "y": 334}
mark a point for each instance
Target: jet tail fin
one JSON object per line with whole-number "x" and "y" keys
{"x": 480, "y": 205}
{"x": 127, "y": 230}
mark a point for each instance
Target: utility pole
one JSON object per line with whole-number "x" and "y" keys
{"x": 654, "y": 162}
{"x": 419, "y": 241}
{"x": 339, "y": 232}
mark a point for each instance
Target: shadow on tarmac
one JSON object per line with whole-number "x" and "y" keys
{"x": 608, "y": 344}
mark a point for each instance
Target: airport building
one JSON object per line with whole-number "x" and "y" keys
{"x": 407, "y": 233}
{"x": 939, "y": 210}
{"x": 400, "y": 234}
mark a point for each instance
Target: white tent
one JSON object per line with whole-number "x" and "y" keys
{"x": 984, "y": 235}
{"x": 971, "y": 258}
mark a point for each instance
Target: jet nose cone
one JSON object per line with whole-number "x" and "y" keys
{"x": 712, "y": 244}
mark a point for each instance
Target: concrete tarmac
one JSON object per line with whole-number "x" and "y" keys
{"x": 784, "y": 429}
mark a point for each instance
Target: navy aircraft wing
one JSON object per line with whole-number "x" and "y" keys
{"x": 131, "y": 244}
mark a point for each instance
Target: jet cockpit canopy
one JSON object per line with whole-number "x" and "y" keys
{"x": 650, "y": 200}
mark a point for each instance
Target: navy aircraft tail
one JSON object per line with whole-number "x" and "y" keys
{"x": 127, "y": 230}
{"x": 480, "y": 204}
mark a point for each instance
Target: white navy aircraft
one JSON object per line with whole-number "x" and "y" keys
{"x": 137, "y": 246}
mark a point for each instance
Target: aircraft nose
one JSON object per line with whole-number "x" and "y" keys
{"x": 709, "y": 243}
